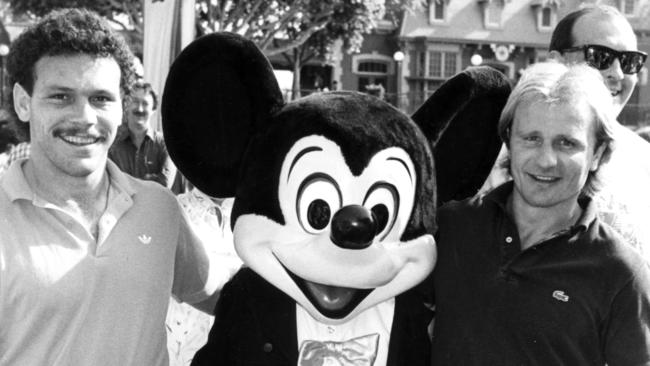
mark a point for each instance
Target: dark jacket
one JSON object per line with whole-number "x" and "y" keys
{"x": 255, "y": 324}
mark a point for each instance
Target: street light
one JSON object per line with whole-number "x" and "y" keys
{"x": 4, "y": 51}
{"x": 476, "y": 59}
{"x": 398, "y": 56}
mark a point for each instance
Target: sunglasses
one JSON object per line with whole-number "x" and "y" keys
{"x": 601, "y": 57}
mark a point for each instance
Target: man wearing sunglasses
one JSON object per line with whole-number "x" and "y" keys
{"x": 602, "y": 37}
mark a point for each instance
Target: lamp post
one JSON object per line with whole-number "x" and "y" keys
{"x": 476, "y": 59}
{"x": 398, "y": 56}
{"x": 4, "y": 51}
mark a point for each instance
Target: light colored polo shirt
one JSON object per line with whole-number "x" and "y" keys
{"x": 66, "y": 299}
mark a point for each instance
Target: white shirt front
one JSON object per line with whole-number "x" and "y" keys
{"x": 624, "y": 200}
{"x": 376, "y": 320}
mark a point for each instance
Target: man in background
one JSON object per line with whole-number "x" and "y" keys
{"x": 141, "y": 152}
{"x": 601, "y": 37}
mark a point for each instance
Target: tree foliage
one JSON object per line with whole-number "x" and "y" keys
{"x": 299, "y": 30}
{"x": 127, "y": 14}
{"x": 278, "y": 26}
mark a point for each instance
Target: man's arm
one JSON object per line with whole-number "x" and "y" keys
{"x": 627, "y": 328}
{"x": 200, "y": 273}
{"x": 207, "y": 306}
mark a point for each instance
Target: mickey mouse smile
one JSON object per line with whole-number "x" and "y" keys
{"x": 332, "y": 301}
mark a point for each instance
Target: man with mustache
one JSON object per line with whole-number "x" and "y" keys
{"x": 142, "y": 152}
{"x": 88, "y": 254}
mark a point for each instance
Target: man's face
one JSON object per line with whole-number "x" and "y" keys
{"x": 612, "y": 32}
{"x": 74, "y": 111}
{"x": 139, "y": 111}
{"x": 551, "y": 153}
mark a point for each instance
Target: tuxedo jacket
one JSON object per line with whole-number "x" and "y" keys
{"x": 255, "y": 324}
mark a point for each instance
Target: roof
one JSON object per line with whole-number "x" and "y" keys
{"x": 465, "y": 23}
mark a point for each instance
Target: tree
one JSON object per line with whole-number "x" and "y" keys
{"x": 126, "y": 14}
{"x": 348, "y": 22}
{"x": 278, "y": 26}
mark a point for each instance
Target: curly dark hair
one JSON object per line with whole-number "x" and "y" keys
{"x": 66, "y": 32}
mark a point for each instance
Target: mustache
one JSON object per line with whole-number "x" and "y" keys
{"x": 77, "y": 130}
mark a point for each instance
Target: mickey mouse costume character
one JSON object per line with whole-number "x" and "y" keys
{"x": 335, "y": 198}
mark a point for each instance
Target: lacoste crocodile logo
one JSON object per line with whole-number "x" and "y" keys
{"x": 560, "y": 295}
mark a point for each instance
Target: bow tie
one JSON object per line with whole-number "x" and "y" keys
{"x": 360, "y": 351}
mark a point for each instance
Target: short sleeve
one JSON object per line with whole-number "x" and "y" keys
{"x": 627, "y": 328}
{"x": 200, "y": 269}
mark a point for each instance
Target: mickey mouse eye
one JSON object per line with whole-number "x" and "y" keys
{"x": 383, "y": 200}
{"x": 380, "y": 213}
{"x": 318, "y": 214}
{"x": 318, "y": 197}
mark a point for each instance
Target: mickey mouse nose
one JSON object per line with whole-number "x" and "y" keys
{"x": 353, "y": 227}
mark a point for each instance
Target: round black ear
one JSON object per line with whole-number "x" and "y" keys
{"x": 219, "y": 92}
{"x": 460, "y": 120}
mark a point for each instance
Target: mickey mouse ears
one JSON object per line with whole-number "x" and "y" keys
{"x": 460, "y": 120}
{"x": 219, "y": 89}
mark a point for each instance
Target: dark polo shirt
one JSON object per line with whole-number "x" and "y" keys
{"x": 579, "y": 298}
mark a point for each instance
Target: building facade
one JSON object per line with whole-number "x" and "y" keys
{"x": 443, "y": 37}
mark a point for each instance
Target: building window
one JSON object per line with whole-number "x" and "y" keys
{"x": 421, "y": 90}
{"x": 372, "y": 64}
{"x": 437, "y": 11}
{"x": 372, "y": 67}
{"x": 492, "y": 11}
{"x": 449, "y": 69}
{"x": 420, "y": 60}
{"x": 436, "y": 64}
{"x": 546, "y": 17}
{"x": 627, "y": 7}
{"x": 372, "y": 71}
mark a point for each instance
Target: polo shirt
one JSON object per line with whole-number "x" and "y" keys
{"x": 623, "y": 201}
{"x": 580, "y": 297}
{"x": 68, "y": 299}
{"x": 150, "y": 158}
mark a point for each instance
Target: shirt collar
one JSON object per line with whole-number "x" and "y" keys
{"x": 500, "y": 195}
{"x": 15, "y": 184}
{"x": 119, "y": 179}
{"x": 150, "y": 134}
